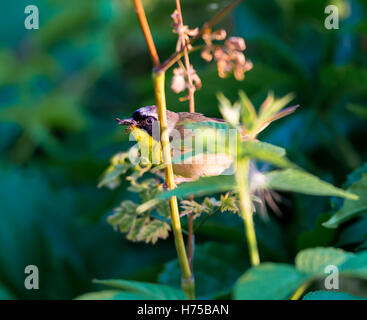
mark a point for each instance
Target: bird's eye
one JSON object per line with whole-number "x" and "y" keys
{"x": 149, "y": 120}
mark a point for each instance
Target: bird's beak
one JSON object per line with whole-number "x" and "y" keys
{"x": 130, "y": 123}
{"x": 127, "y": 122}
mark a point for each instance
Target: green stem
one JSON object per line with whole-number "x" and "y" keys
{"x": 242, "y": 179}
{"x": 300, "y": 291}
{"x": 188, "y": 285}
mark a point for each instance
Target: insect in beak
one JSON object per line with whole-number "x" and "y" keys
{"x": 130, "y": 123}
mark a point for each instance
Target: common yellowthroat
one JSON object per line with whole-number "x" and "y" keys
{"x": 144, "y": 126}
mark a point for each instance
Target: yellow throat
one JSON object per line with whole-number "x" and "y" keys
{"x": 149, "y": 148}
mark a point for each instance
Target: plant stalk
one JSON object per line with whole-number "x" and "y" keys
{"x": 159, "y": 89}
{"x": 146, "y": 32}
{"x": 300, "y": 291}
{"x": 242, "y": 179}
{"x": 187, "y": 279}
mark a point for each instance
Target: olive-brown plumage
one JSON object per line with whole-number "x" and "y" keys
{"x": 202, "y": 164}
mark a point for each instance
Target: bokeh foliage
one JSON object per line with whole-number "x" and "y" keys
{"x": 62, "y": 86}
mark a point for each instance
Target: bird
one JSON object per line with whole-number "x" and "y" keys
{"x": 144, "y": 126}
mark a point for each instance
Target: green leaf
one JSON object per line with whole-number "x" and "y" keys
{"x": 119, "y": 166}
{"x": 269, "y": 281}
{"x": 266, "y": 152}
{"x": 274, "y": 107}
{"x": 248, "y": 112}
{"x": 314, "y": 261}
{"x": 351, "y": 208}
{"x": 148, "y": 290}
{"x": 111, "y": 178}
{"x": 229, "y": 203}
{"x": 153, "y": 231}
{"x": 330, "y": 295}
{"x": 280, "y": 281}
{"x": 124, "y": 216}
{"x": 217, "y": 266}
{"x": 355, "y": 266}
{"x": 296, "y": 180}
{"x": 148, "y": 205}
{"x": 112, "y": 295}
{"x": 231, "y": 113}
{"x": 201, "y": 187}
{"x": 136, "y": 228}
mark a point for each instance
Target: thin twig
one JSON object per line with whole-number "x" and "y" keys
{"x": 191, "y": 92}
{"x": 146, "y": 31}
{"x": 191, "y": 88}
{"x": 190, "y": 241}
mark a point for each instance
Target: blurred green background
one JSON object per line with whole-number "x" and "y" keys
{"x": 62, "y": 86}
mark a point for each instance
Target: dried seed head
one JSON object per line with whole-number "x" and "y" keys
{"x": 178, "y": 83}
{"x": 235, "y": 43}
{"x": 183, "y": 31}
{"x": 206, "y": 54}
{"x": 180, "y": 80}
{"x": 219, "y": 34}
{"x": 194, "y": 77}
{"x": 229, "y": 57}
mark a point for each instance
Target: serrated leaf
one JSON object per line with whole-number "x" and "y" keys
{"x": 150, "y": 290}
{"x": 351, "y": 208}
{"x": 296, "y": 180}
{"x": 269, "y": 281}
{"x": 136, "y": 228}
{"x": 228, "y": 203}
{"x": 314, "y": 261}
{"x": 124, "y": 216}
{"x": 153, "y": 231}
{"x": 191, "y": 206}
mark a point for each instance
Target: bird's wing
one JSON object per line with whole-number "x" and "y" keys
{"x": 189, "y": 126}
